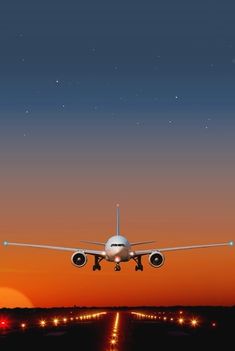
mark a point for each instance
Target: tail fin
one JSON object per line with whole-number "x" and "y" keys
{"x": 118, "y": 220}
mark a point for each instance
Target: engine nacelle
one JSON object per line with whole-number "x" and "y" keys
{"x": 79, "y": 259}
{"x": 156, "y": 259}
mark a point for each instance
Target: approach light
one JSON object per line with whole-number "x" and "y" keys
{"x": 181, "y": 320}
{"x": 194, "y": 322}
{"x": 3, "y": 323}
{"x": 56, "y": 321}
{"x": 42, "y": 323}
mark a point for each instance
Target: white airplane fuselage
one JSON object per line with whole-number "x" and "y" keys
{"x": 118, "y": 249}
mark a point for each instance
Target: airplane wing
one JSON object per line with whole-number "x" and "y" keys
{"x": 61, "y": 248}
{"x": 147, "y": 252}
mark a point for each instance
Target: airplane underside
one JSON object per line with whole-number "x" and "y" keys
{"x": 117, "y": 267}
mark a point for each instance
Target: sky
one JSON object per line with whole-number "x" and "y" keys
{"x": 117, "y": 102}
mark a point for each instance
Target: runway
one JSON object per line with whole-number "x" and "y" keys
{"x": 116, "y": 330}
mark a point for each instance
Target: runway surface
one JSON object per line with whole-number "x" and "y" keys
{"x": 116, "y": 330}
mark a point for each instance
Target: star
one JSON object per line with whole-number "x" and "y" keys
{"x": 27, "y": 111}
{"x": 57, "y": 81}
{"x": 176, "y": 97}
{"x": 115, "y": 68}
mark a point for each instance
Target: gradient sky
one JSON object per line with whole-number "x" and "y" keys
{"x": 130, "y": 102}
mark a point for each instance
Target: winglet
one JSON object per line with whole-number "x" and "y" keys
{"x": 118, "y": 220}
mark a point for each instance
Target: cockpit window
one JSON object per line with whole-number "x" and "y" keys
{"x": 117, "y": 245}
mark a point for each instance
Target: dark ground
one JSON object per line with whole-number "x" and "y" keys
{"x": 216, "y": 326}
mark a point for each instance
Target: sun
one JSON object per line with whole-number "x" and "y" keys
{"x": 12, "y": 298}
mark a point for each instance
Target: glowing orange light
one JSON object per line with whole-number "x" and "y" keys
{"x": 194, "y": 322}
{"x": 214, "y": 324}
{"x": 113, "y": 342}
{"x": 56, "y": 321}
{"x": 181, "y": 320}
{"x": 42, "y": 323}
{"x": 23, "y": 325}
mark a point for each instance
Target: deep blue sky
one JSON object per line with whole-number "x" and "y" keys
{"x": 117, "y": 57}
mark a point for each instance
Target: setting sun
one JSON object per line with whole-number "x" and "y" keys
{"x": 11, "y": 298}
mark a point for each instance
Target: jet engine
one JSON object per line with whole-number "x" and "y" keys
{"x": 156, "y": 259}
{"x": 79, "y": 259}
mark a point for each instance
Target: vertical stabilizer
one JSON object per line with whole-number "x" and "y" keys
{"x": 118, "y": 221}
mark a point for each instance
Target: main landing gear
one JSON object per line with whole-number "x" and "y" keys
{"x": 139, "y": 266}
{"x": 97, "y": 265}
{"x": 117, "y": 268}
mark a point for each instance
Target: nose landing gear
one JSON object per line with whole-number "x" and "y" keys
{"x": 117, "y": 268}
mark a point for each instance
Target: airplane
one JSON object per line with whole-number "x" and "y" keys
{"x": 118, "y": 249}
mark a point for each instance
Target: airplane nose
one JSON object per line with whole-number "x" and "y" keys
{"x": 118, "y": 250}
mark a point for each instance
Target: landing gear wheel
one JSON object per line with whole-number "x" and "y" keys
{"x": 139, "y": 267}
{"x": 117, "y": 268}
{"x": 96, "y": 267}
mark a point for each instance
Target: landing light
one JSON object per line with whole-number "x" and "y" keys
{"x": 231, "y": 243}
{"x": 117, "y": 259}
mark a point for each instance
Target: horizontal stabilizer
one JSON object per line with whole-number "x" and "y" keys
{"x": 92, "y": 242}
{"x": 141, "y": 242}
